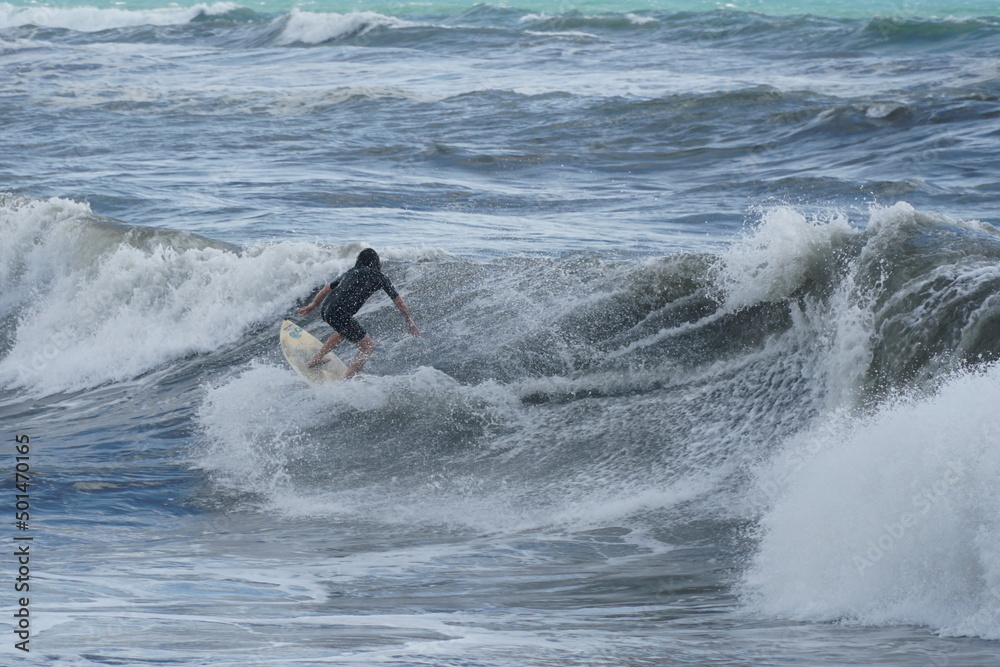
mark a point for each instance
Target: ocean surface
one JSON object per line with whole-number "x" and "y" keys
{"x": 710, "y": 303}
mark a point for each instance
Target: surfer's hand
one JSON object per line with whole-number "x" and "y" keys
{"x": 306, "y": 310}
{"x": 411, "y": 328}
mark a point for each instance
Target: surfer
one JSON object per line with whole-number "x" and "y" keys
{"x": 344, "y": 297}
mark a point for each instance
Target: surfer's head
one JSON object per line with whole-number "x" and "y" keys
{"x": 368, "y": 257}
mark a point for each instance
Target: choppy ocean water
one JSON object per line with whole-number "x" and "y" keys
{"x": 710, "y": 315}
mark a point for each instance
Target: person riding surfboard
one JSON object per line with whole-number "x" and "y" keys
{"x": 344, "y": 297}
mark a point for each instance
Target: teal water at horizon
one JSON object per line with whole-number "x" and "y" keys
{"x": 939, "y": 9}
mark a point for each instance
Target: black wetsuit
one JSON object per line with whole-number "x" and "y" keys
{"x": 349, "y": 293}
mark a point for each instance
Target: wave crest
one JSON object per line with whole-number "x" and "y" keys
{"x": 94, "y": 19}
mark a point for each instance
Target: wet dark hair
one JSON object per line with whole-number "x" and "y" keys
{"x": 368, "y": 257}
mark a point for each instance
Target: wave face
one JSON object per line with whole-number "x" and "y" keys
{"x": 664, "y": 380}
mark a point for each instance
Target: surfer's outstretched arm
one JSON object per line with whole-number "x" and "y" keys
{"x": 320, "y": 295}
{"x": 411, "y": 326}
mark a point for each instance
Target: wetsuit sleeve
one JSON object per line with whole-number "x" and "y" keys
{"x": 389, "y": 289}
{"x": 334, "y": 284}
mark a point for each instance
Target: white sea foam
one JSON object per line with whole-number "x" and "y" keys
{"x": 93, "y": 19}
{"x": 266, "y": 420}
{"x": 774, "y": 258}
{"x": 640, "y": 20}
{"x": 530, "y": 18}
{"x": 893, "y": 519}
{"x": 305, "y": 27}
{"x": 882, "y": 109}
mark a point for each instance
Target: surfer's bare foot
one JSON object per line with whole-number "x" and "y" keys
{"x": 316, "y": 361}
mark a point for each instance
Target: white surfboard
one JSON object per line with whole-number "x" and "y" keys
{"x": 299, "y": 346}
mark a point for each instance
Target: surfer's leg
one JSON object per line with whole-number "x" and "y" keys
{"x": 365, "y": 348}
{"x": 333, "y": 341}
